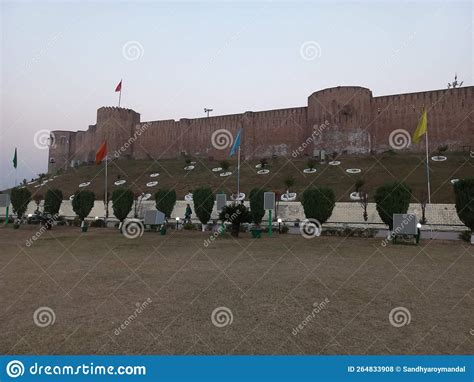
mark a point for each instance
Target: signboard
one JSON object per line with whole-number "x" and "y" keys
{"x": 405, "y": 224}
{"x": 4, "y": 200}
{"x": 221, "y": 201}
{"x": 154, "y": 217}
{"x": 269, "y": 200}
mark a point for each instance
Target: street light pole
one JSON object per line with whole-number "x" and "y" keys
{"x": 207, "y": 111}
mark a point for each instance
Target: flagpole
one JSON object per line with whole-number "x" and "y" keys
{"x": 428, "y": 168}
{"x": 105, "y": 195}
{"x": 120, "y": 94}
{"x": 238, "y": 173}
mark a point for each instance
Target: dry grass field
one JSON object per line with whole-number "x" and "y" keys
{"x": 376, "y": 170}
{"x": 101, "y": 293}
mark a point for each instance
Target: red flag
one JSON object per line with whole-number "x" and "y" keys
{"x": 101, "y": 153}
{"x": 119, "y": 87}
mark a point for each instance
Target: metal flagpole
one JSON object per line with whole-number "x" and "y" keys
{"x": 238, "y": 173}
{"x": 428, "y": 167}
{"x": 120, "y": 94}
{"x": 105, "y": 195}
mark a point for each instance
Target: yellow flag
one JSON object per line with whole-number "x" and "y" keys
{"x": 421, "y": 128}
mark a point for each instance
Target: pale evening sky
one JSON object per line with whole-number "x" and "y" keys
{"x": 60, "y": 61}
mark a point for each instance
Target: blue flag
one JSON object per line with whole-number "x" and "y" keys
{"x": 236, "y": 144}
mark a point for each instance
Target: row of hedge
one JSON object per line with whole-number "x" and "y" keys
{"x": 318, "y": 203}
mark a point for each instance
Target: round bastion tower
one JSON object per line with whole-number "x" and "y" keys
{"x": 116, "y": 125}
{"x": 342, "y": 116}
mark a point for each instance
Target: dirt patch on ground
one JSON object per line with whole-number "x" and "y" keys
{"x": 282, "y": 295}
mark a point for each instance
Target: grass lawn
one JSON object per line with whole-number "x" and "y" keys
{"x": 340, "y": 290}
{"x": 376, "y": 170}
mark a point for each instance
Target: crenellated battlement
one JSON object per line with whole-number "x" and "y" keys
{"x": 353, "y": 121}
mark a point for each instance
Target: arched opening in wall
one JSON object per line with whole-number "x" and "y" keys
{"x": 52, "y": 160}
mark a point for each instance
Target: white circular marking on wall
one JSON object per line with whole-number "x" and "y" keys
{"x": 354, "y": 170}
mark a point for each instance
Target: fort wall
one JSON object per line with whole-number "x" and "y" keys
{"x": 344, "y": 119}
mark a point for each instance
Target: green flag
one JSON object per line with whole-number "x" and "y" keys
{"x": 15, "y": 159}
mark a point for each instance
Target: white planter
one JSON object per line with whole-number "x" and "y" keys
{"x": 227, "y": 173}
{"x": 263, "y": 172}
{"x": 152, "y": 184}
{"x": 355, "y": 196}
{"x": 189, "y": 168}
{"x": 472, "y": 238}
{"x": 154, "y": 175}
{"x": 188, "y": 197}
{"x": 85, "y": 184}
{"x": 439, "y": 158}
{"x": 237, "y": 198}
{"x": 120, "y": 182}
{"x": 217, "y": 169}
{"x": 309, "y": 170}
{"x": 354, "y": 170}
{"x": 288, "y": 197}
{"x": 334, "y": 163}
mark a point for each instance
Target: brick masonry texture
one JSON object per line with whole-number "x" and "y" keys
{"x": 344, "y": 119}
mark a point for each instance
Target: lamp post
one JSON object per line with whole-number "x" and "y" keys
{"x": 279, "y": 225}
{"x": 207, "y": 111}
{"x": 177, "y": 222}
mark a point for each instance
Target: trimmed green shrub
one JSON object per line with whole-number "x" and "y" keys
{"x": 236, "y": 214}
{"x": 392, "y": 198}
{"x": 256, "y": 205}
{"x": 82, "y": 203}
{"x": 464, "y": 196}
{"x": 20, "y": 197}
{"x": 203, "y": 199}
{"x": 122, "y": 202}
{"x": 52, "y": 201}
{"x": 165, "y": 201}
{"x": 318, "y": 203}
